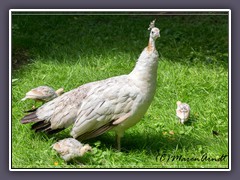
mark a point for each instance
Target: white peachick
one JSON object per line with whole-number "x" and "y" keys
{"x": 70, "y": 148}
{"x": 182, "y": 111}
{"x": 43, "y": 94}
{"x": 94, "y": 108}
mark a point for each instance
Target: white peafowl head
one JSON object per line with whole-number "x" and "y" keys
{"x": 154, "y": 32}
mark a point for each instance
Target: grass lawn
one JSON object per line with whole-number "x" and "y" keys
{"x": 70, "y": 50}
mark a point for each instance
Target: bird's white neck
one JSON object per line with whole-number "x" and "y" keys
{"x": 147, "y": 64}
{"x": 151, "y": 45}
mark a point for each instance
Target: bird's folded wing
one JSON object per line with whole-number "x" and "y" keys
{"x": 62, "y": 111}
{"x": 109, "y": 102}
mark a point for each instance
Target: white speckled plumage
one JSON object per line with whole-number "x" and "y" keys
{"x": 182, "y": 111}
{"x": 115, "y": 103}
{"x": 43, "y": 93}
{"x": 70, "y": 148}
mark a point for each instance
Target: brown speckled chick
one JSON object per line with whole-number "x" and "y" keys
{"x": 70, "y": 148}
{"x": 43, "y": 94}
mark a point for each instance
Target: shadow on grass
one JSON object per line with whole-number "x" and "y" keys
{"x": 192, "y": 119}
{"x": 135, "y": 141}
{"x": 20, "y": 57}
{"x": 131, "y": 141}
{"x": 150, "y": 142}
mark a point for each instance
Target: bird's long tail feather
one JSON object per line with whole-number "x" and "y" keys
{"x": 39, "y": 124}
{"x": 32, "y": 117}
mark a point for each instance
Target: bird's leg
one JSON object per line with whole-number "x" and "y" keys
{"x": 118, "y": 142}
{"x": 182, "y": 121}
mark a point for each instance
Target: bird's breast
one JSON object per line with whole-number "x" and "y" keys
{"x": 139, "y": 108}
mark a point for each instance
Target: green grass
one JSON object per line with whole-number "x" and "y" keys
{"x": 68, "y": 51}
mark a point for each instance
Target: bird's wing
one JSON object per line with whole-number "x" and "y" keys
{"x": 34, "y": 94}
{"x": 62, "y": 111}
{"x": 98, "y": 104}
{"x": 106, "y": 105}
{"x": 58, "y": 113}
{"x": 42, "y": 92}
